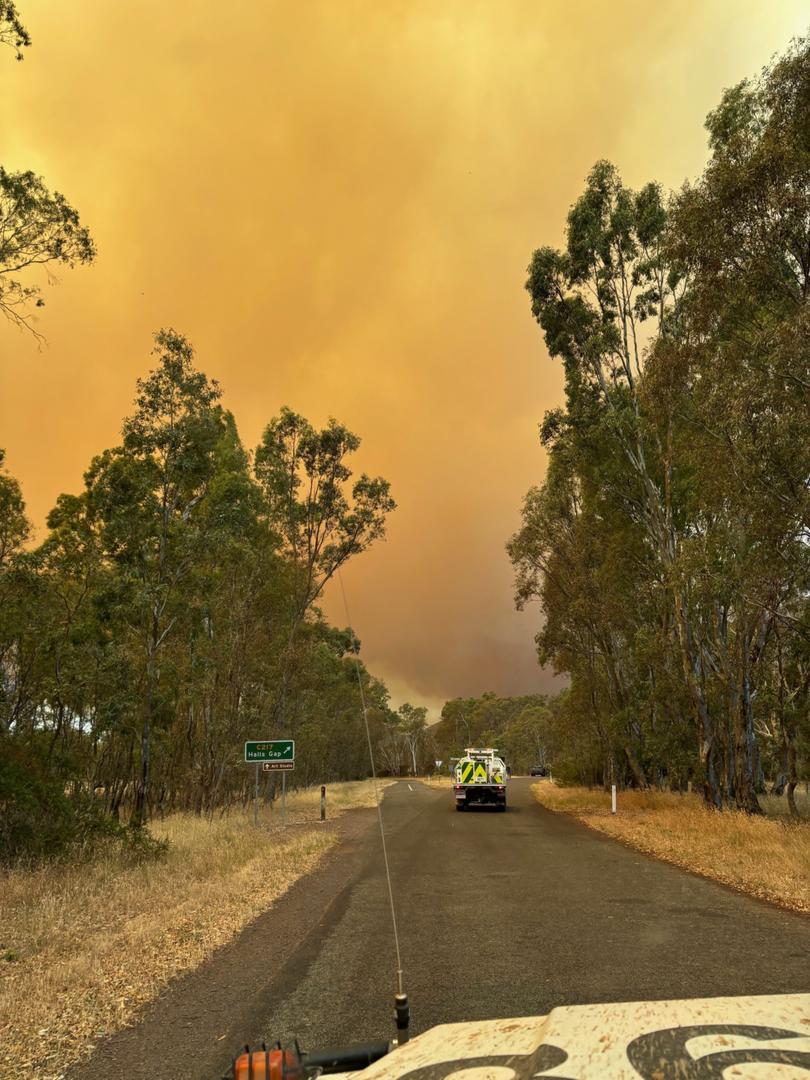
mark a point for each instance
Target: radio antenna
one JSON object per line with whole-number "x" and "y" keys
{"x": 401, "y": 997}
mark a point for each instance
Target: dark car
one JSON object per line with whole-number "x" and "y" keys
{"x": 538, "y": 770}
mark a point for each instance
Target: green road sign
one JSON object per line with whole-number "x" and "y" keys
{"x": 273, "y": 750}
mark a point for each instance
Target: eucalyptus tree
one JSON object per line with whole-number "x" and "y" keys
{"x": 322, "y": 518}
{"x": 682, "y": 327}
{"x": 15, "y": 528}
{"x": 413, "y": 726}
{"x": 328, "y": 714}
{"x": 229, "y": 631}
{"x": 146, "y": 638}
{"x": 739, "y": 368}
{"x": 38, "y": 227}
{"x": 517, "y": 726}
{"x": 15, "y": 586}
{"x": 150, "y": 493}
{"x": 599, "y": 302}
{"x": 12, "y": 32}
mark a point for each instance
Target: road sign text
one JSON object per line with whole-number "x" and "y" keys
{"x": 270, "y": 750}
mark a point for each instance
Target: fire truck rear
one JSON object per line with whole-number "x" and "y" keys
{"x": 480, "y": 777}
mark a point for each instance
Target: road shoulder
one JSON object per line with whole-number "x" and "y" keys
{"x": 203, "y": 1017}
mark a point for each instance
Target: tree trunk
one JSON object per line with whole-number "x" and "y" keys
{"x": 703, "y": 721}
{"x": 139, "y": 811}
{"x": 745, "y": 796}
{"x": 639, "y": 778}
{"x": 793, "y": 778}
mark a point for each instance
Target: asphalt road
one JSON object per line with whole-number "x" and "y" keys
{"x": 499, "y": 915}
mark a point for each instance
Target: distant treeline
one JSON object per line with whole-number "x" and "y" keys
{"x": 170, "y": 613}
{"x": 520, "y": 727}
{"x": 668, "y": 545}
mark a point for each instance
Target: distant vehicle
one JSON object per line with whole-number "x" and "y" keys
{"x": 480, "y": 777}
{"x": 538, "y": 770}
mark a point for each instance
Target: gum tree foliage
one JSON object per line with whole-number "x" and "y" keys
{"x": 14, "y": 527}
{"x": 149, "y": 497}
{"x": 321, "y": 517}
{"x": 148, "y": 635}
{"x": 405, "y": 744}
{"x": 38, "y": 228}
{"x": 517, "y": 726}
{"x": 12, "y": 32}
{"x": 322, "y": 520}
{"x": 605, "y": 500}
{"x": 412, "y": 725}
{"x": 668, "y": 543}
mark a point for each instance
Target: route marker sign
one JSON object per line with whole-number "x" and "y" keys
{"x": 270, "y": 750}
{"x": 278, "y": 766}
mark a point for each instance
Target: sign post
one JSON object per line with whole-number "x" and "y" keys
{"x": 274, "y": 755}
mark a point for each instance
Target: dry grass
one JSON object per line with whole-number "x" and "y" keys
{"x": 766, "y": 857}
{"x": 305, "y": 805}
{"x": 445, "y": 783}
{"x": 777, "y": 806}
{"x": 82, "y": 948}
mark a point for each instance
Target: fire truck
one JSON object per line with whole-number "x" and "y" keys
{"x": 480, "y": 777}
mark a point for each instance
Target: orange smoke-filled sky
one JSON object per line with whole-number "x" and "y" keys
{"x": 336, "y": 202}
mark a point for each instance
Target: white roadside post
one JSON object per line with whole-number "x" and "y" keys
{"x": 613, "y": 798}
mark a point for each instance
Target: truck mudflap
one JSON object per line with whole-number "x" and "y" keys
{"x": 652, "y": 1040}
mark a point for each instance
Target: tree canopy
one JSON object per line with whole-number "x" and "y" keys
{"x": 39, "y": 229}
{"x": 12, "y": 32}
{"x": 667, "y": 544}
{"x": 149, "y": 635}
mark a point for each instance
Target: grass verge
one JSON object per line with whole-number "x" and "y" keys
{"x": 765, "y": 857}
{"x": 84, "y": 947}
{"x": 444, "y": 783}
